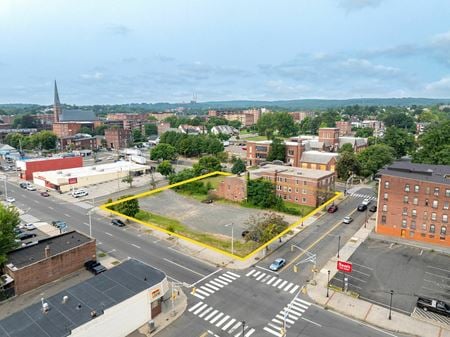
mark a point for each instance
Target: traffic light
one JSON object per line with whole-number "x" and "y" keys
{"x": 295, "y": 269}
{"x": 193, "y": 291}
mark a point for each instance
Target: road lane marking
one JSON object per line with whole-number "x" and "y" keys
{"x": 211, "y": 315}
{"x": 282, "y": 284}
{"x": 233, "y": 274}
{"x": 257, "y": 273}
{"x": 136, "y": 246}
{"x": 67, "y": 215}
{"x": 198, "y": 296}
{"x": 216, "y": 284}
{"x": 224, "y": 279}
{"x": 309, "y": 321}
{"x": 179, "y": 265}
{"x": 273, "y": 332}
{"x": 294, "y": 289}
{"x": 85, "y": 223}
{"x": 205, "y": 312}
{"x": 226, "y": 326}
{"x": 220, "y": 281}
{"x": 202, "y": 292}
{"x": 222, "y": 321}
{"x": 195, "y": 306}
{"x": 207, "y": 285}
{"x": 108, "y": 234}
{"x": 250, "y": 272}
{"x": 250, "y": 332}
{"x": 266, "y": 269}
{"x": 276, "y": 282}
{"x": 50, "y": 207}
{"x": 438, "y": 275}
{"x": 206, "y": 289}
{"x": 272, "y": 279}
{"x": 216, "y": 318}
{"x": 437, "y": 268}
{"x": 200, "y": 309}
{"x": 204, "y": 278}
{"x": 260, "y": 276}
{"x": 288, "y": 286}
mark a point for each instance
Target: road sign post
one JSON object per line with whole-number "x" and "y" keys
{"x": 344, "y": 267}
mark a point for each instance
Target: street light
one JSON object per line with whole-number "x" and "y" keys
{"x": 339, "y": 245}
{"x": 90, "y": 222}
{"x": 243, "y": 328}
{"x": 390, "y": 304}
{"x": 328, "y": 283}
{"x": 232, "y": 237}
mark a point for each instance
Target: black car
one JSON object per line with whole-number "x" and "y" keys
{"x": 25, "y": 236}
{"x": 94, "y": 267}
{"x": 373, "y": 209}
{"x": 23, "y": 185}
{"x": 118, "y": 223}
{"x": 362, "y": 207}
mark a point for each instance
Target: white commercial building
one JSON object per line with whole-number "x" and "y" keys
{"x": 65, "y": 180}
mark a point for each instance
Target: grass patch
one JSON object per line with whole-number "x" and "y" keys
{"x": 256, "y": 138}
{"x": 101, "y": 254}
{"x": 241, "y": 248}
{"x": 303, "y": 209}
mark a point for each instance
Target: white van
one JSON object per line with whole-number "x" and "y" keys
{"x": 79, "y": 193}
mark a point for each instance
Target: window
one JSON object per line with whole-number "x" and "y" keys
{"x": 433, "y": 216}
{"x": 289, "y": 189}
{"x": 384, "y": 208}
{"x": 291, "y": 152}
{"x": 296, "y": 181}
{"x": 285, "y": 188}
{"x": 284, "y": 196}
{"x": 385, "y": 196}
{"x": 405, "y": 211}
{"x": 383, "y": 219}
{"x": 432, "y": 228}
{"x": 304, "y": 200}
{"x": 304, "y": 183}
{"x": 425, "y": 215}
{"x": 444, "y": 218}
{"x": 426, "y": 202}
{"x": 435, "y": 204}
{"x": 415, "y": 201}
{"x": 416, "y": 188}
{"x": 279, "y": 188}
{"x": 427, "y": 190}
{"x": 407, "y": 188}
{"x": 445, "y": 204}
{"x": 414, "y": 213}
{"x": 405, "y": 199}
{"x": 411, "y": 234}
{"x": 386, "y": 184}
{"x": 424, "y": 227}
{"x": 296, "y": 190}
{"x": 285, "y": 180}
{"x": 296, "y": 198}
{"x": 413, "y": 225}
{"x": 436, "y": 191}
{"x": 447, "y": 193}
{"x": 404, "y": 224}
{"x": 304, "y": 191}
{"x": 443, "y": 230}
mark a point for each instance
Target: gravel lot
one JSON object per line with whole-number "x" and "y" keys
{"x": 204, "y": 217}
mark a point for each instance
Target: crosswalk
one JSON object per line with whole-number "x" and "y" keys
{"x": 273, "y": 281}
{"x": 364, "y": 196}
{"x": 221, "y": 320}
{"x": 290, "y": 313}
{"x": 215, "y": 284}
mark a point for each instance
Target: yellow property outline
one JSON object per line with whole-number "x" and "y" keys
{"x": 104, "y": 207}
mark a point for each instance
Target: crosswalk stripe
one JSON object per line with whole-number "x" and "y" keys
{"x": 264, "y": 280}
{"x": 260, "y": 276}
{"x": 233, "y": 274}
{"x": 278, "y": 327}
{"x": 207, "y": 289}
{"x": 282, "y": 284}
{"x": 199, "y": 296}
{"x": 195, "y": 306}
{"x": 239, "y": 334}
{"x": 200, "y": 309}
{"x": 276, "y": 333}
{"x": 211, "y": 315}
{"x": 297, "y": 311}
{"x": 273, "y": 279}
{"x": 211, "y": 286}
{"x": 257, "y": 273}
{"x": 288, "y": 286}
{"x": 287, "y": 319}
{"x": 250, "y": 332}
{"x": 202, "y": 292}
{"x": 294, "y": 289}
{"x": 220, "y": 281}
{"x": 250, "y": 272}
{"x": 216, "y": 284}
{"x": 302, "y": 301}
{"x": 276, "y": 282}
{"x": 300, "y": 305}
{"x": 205, "y": 312}
{"x": 291, "y": 313}
{"x": 230, "y": 323}
{"x": 226, "y": 278}
{"x": 223, "y": 320}
{"x": 276, "y": 321}
{"x": 233, "y": 329}
{"x": 216, "y": 318}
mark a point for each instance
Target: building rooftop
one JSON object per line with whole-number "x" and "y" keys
{"x": 40, "y": 159}
{"x": 77, "y": 115}
{"x": 289, "y": 170}
{"x": 318, "y": 157}
{"x": 97, "y": 294}
{"x": 25, "y": 256}
{"x": 426, "y": 172}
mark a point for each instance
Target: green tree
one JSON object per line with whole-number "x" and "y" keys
{"x": 87, "y": 130}
{"x": 266, "y": 125}
{"x": 45, "y": 140}
{"x": 165, "y": 168}
{"x": 434, "y": 145}
{"x": 129, "y": 207}
{"x": 25, "y": 121}
{"x": 128, "y": 179}
{"x": 347, "y": 147}
{"x": 400, "y": 140}
{"x": 374, "y": 158}
{"x": 137, "y": 136}
{"x": 207, "y": 164}
{"x": 364, "y": 132}
{"x": 150, "y": 129}
{"x": 214, "y": 145}
{"x": 347, "y": 164}
{"x": 277, "y": 150}
{"x": 235, "y": 124}
{"x": 264, "y": 227}
{"x": 9, "y": 219}
{"x": 15, "y": 140}
{"x": 164, "y": 152}
{"x": 181, "y": 176}
{"x": 261, "y": 193}
{"x": 285, "y": 124}
{"x": 400, "y": 120}
{"x": 238, "y": 166}
{"x": 100, "y": 130}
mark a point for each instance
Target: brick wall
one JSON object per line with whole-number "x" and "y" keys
{"x": 232, "y": 188}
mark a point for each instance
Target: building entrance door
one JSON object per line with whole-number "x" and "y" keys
{"x": 403, "y": 233}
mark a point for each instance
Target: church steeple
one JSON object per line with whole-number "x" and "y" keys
{"x": 56, "y": 106}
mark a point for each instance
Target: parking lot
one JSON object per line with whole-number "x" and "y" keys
{"x": 380, "y": 266}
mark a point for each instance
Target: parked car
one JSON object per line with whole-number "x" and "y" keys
{"x": 207, "y": 201}
{"x": 429, "y": 304}
{"x": 79, "y": 193}
{"x": 45, "y": 194}
{"x": 29, "y": 226}
{"x": 25, "y": 236}
{"x": 362, "y": 208}
{"x": 333, "y": 208}
{"x": 277, "y": 264}
{"x": 118, "y": 223}
{"x": 94, "y": 267}
{"x": 347, "y": 220}
{"x": 10, "y": 199}
{"x": 373, "y": 209}
{"x": 23, "y": 185}
{"x": 17, "y": 231}
{"x": 245, "y": 233}
{"x": 366, "y": 202}
{"x": 59, "y": 224}
{"x": 30, "y": 187}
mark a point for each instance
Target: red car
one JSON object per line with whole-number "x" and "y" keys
{"x": 332, "y": 209}
{"x": 45, "y": 194}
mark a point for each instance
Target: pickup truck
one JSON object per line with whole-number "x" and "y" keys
{"x": 439, "y": 307}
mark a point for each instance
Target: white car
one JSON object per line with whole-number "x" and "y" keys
{"x": 10, "y": 199}
{"x": 31, "y": 187}
{"x": 29, "y": 226}
{"x": 79, "y": 193}
{"x": 366, "y": 202}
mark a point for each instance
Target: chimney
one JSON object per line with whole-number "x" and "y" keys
{"x": 47, "y": 251}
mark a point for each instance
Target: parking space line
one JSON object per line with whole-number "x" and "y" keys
{"x": 436, "y": 291}
{"x": 360, "y": 272}
{"x": 309, "y": 321}
{"x": 438, "y": 284}
{"x": 437, "y": 275}
{"x": 360, "y": 265}
{"x": 438, "y": 268}
{"x": 136, "y": 246}
{"x": 108, "y": 234}
{"x": 67, "y": 215}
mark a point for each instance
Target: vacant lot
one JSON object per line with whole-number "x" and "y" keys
{"x": 380, "y": 266}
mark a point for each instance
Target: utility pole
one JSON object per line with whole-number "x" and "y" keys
{"x": 339, "y": 246}
{"x": 390, "y": 304}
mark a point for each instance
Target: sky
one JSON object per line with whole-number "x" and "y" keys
{"x": 134, "y": 51}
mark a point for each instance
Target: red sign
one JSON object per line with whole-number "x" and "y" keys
{"x": 346, "y": 267}
{"x": 72, "y": 180}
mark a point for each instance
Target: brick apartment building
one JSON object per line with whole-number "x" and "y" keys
{"x": 48, "y": 260}
{"x": 301, "y": 115}
{"x": 68, "y": 129}
{"x": 413, "y": 202}
{"x": 232, "y": 188}
{"x": 246, "y": 117}
{"x": 298, "y": 185}
{"x": 117, "y": 138}
{"x": 345, "y": 128}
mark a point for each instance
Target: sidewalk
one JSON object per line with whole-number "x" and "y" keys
{"x": 361, "y": 310}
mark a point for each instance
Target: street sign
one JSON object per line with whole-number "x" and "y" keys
{"x": 346, "y": 267}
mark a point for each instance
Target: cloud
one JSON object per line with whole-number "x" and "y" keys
{"x": 364, "y": 67}
{"x": 355, "y": 5}
{"x": 93, "y": 76}
{"x": 118, "y": 29}
{"x": 440, "y": 88}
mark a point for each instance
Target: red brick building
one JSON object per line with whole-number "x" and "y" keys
{"x": 301, "y": 186}
{"x": 413, "y": 202}
{"x": 28, "y": 167}
{"x": 232, "y": 188}
{"x": 67, "y": 129}
{"x": 117, "y": 138}
{"x": 345, "y": 128}
{"x": 49, "y": 260}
